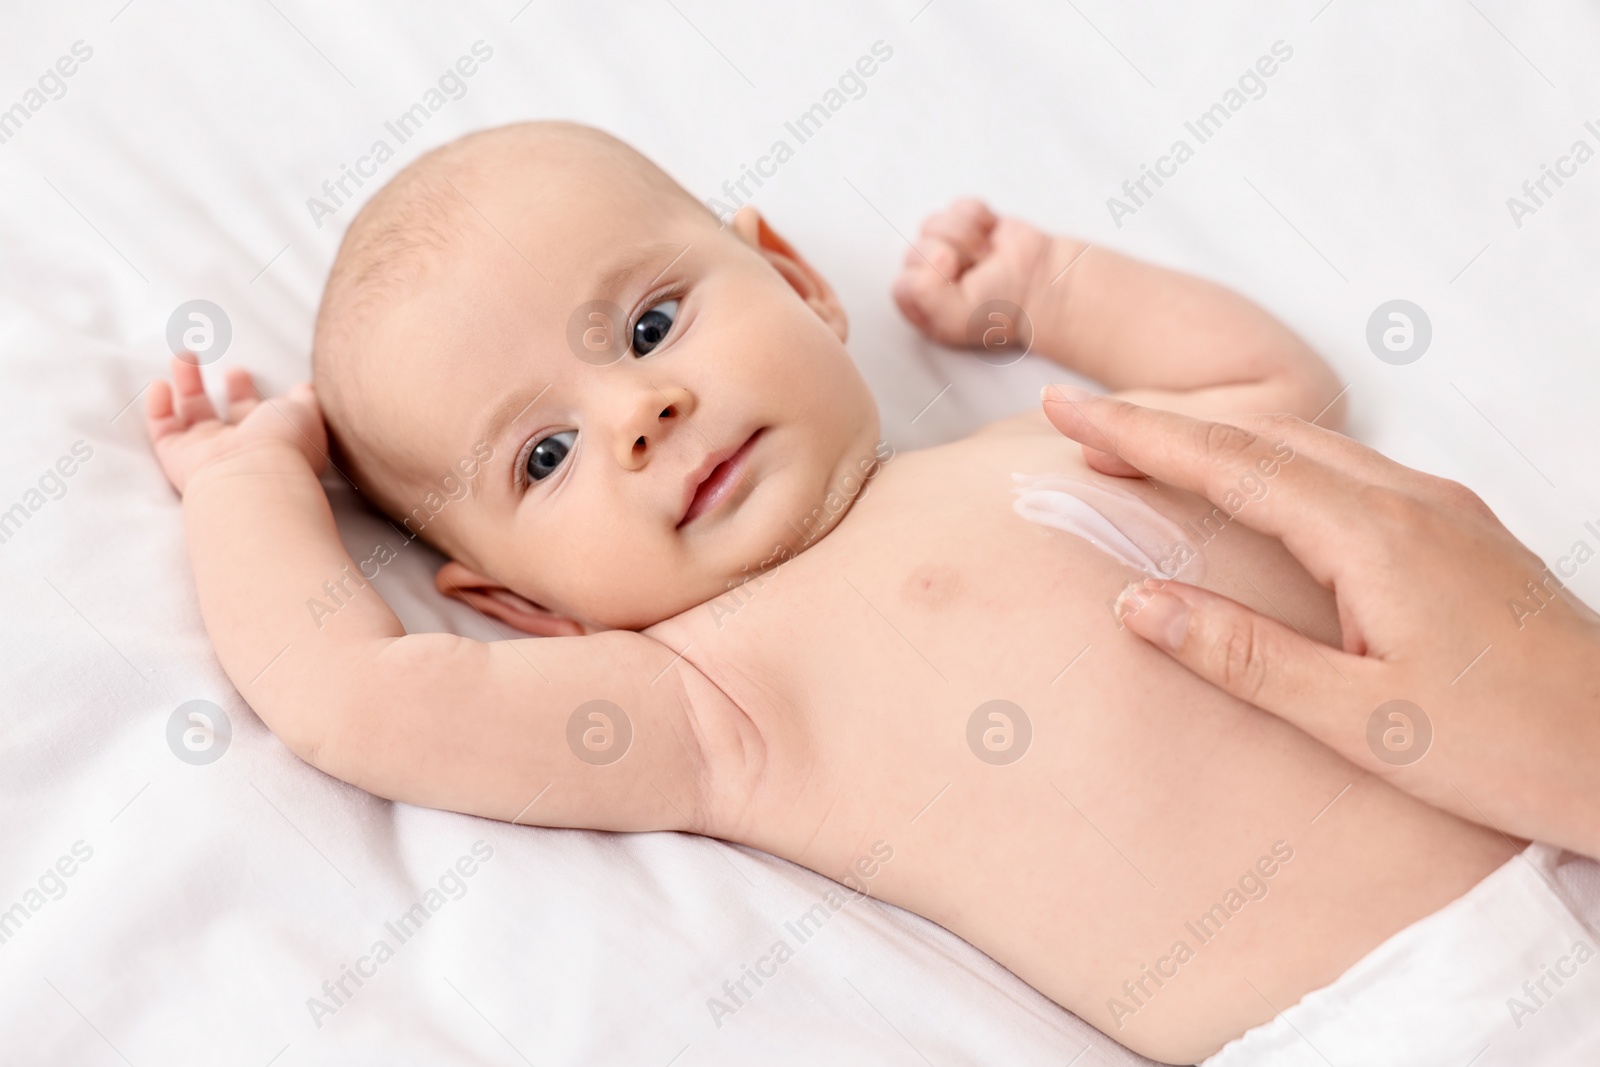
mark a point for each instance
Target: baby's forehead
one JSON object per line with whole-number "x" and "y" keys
{"x": 558, "y": 197}
{"x": 569, "y": 181}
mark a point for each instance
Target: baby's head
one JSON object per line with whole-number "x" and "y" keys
{"x": 533, "y": 348}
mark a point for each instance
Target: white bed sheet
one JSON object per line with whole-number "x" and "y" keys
{"x": 177, "y": 164}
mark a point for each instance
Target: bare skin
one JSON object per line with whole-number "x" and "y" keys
{"x": 820, "y": 712}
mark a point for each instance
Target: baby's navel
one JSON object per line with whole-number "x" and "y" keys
{"x": 1116, "y": 522}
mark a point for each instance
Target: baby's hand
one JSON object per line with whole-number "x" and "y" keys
{"x": 187, "y": 434}
{"x": 967, "y": 256}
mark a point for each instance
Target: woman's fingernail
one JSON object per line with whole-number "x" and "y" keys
{"x": 1130, "y": 600}
{"x": 1068, "y": 393}
{"x": 1162, "y": 619}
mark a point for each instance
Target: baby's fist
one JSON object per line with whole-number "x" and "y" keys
{"x": 966, "y": 256}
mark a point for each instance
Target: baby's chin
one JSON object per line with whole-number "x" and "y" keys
{"x": 642, "y": 608}
{"x": 639, "y": 617}
{"x": 790, "y": 509}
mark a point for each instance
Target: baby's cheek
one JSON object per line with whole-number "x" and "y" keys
{"x": 618, "y": 578}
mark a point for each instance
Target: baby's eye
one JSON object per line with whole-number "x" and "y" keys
{"x": 654, "y": 325}
{"x": 547, "y": 455}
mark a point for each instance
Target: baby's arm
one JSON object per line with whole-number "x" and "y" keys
{"x": 1156, "y": 336}
{"x": 431, "y": 719}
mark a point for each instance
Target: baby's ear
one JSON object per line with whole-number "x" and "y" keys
{"x": 498, "y": 602}
{"x": 802, "y": 277}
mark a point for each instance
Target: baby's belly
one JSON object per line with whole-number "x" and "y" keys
{"x": 942, "y": 681}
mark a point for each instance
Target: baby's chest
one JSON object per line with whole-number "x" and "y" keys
{"x": 935, "y": 594}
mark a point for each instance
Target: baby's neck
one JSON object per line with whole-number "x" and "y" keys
{"x": 807, "y": 530}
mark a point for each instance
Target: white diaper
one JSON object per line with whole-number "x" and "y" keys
{"x": 1506, "y": 976}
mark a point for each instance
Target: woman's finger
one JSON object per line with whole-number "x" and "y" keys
{"x": 1328, "y": 447}
{"x": 1259, "y": 660}
{"x": 1314, "y": 509}
{"x": 1332, "y": 449}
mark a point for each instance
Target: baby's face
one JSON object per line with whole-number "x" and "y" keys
{"x": 629, "y": 485}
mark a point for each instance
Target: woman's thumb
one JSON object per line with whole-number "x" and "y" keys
{"x": 1259, "y": 660}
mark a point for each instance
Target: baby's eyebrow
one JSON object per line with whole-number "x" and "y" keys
{"x": 505, "y": 413}
{"x": 613, "y": 278}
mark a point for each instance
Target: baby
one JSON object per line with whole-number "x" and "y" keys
{"x": 637, "y": 434}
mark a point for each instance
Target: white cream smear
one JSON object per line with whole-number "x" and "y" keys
{"x": 1117, "y": 523}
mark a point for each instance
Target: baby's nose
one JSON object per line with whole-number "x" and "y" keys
{"x": 657, "y": 413}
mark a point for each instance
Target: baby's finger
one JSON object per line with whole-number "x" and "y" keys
{"x": 961, "y": 233}
{"x": 937, "y": 255}
{"x": 192, "y": 405}
{"x": 306, "y": 393}
{"x": 159, "y": 418}
{"x": 972, "y": 208}
{"x": 928, "y": 300}
{"x": 242, "y": 393}
{"x": 909, "y": 297}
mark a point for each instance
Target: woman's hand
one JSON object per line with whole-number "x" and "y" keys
{"x": 188, "y": 435}
{"x": 1468, "y": 677}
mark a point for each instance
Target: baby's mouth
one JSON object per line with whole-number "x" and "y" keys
{"x": 720, "y": 482}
